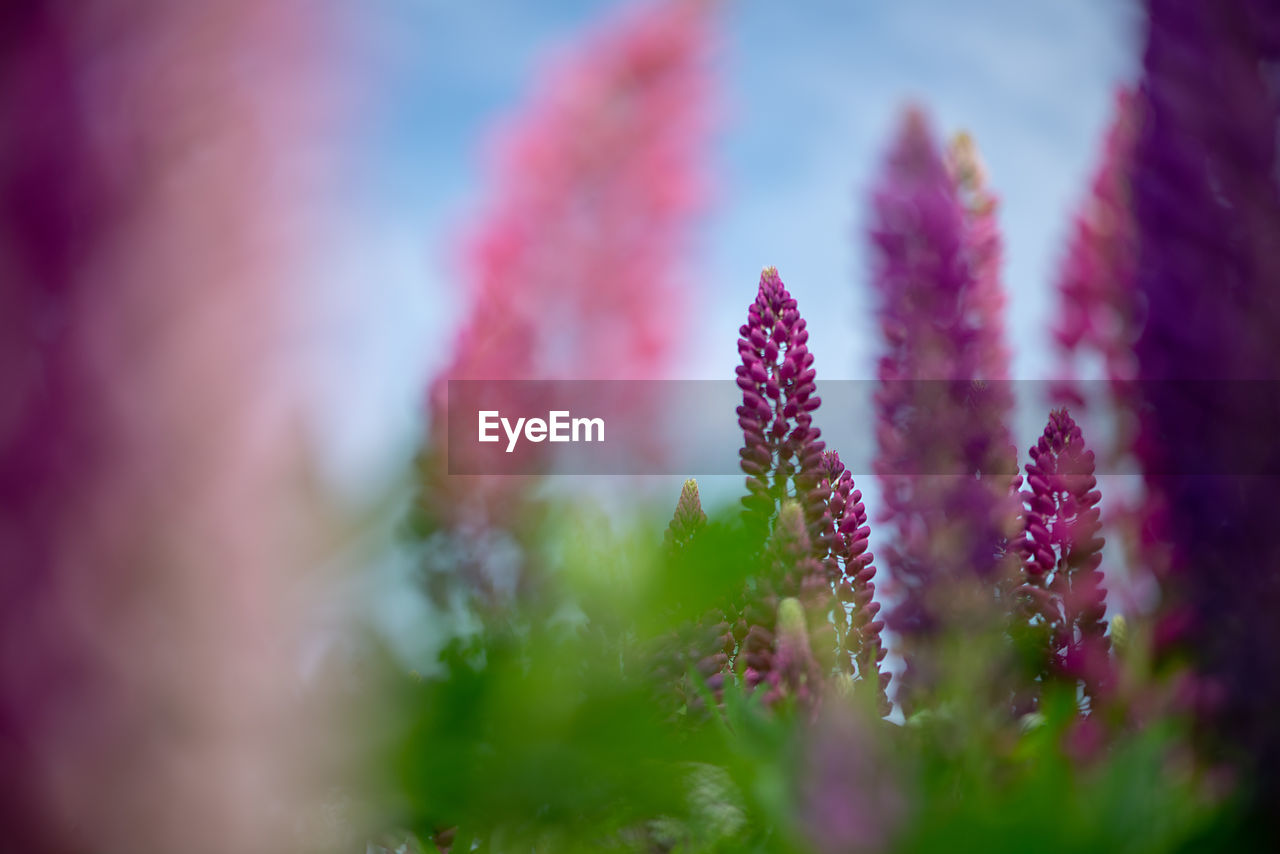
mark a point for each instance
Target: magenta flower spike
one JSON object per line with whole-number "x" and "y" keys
{"x": 795, "y": 672}
{"x": 944, "y": 459}
{"x": 1097, "y": 311}
{"x": 782, "y": 455}
{"x": 862, "y": 644}
{"x": 1063, "y": 550}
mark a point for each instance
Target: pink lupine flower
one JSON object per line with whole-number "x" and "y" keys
{"x": 573, "y": 271}
{"x": 574, "y": 268}
{"x": 944, "y": 458}
{"x": 1098, "y": 317}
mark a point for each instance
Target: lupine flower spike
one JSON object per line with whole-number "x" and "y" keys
{"x": 1063, "y": 552}
{"x": 937, "y": 428}
{"x": 782, "y": 455}
{"x": 574, "y": 268}
{"x": 688, "y": 518}
{"x": 706, "y": 646}
{"x": 575, "y": 265}
{"x": 795, "y": 672}
{"x": 861, "y": 642}
{"x": 986, "y": 253}
{"x": 1097, "y": 309}
{"x": 772, "y": 651}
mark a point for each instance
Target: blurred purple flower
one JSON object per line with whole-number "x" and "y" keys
{"x": 1096, "y": 306}
{"x": 850, "y": 798}
{"x": 986, "y": 300}
{"x": 944, "y": 460}
{"x": 1207, "y": 204}
{"x": 151, "y": 519}
{"x": 1098, "y": 316}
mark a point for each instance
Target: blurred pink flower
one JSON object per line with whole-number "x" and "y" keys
{"x": 573, "y": 270}
{"x": 147, "y": 453}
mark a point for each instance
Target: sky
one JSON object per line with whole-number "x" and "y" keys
{"x": 809, "y": 97}
{"x": 810, "y": 94}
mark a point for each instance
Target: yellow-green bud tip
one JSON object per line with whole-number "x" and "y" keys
{"x": 790, "y": 617}
{"x": 1119, "y": 633}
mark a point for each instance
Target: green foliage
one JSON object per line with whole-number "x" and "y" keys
{"x": 551, "y": 729}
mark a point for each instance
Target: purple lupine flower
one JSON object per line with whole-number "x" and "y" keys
{"x": 754, "y": 660}
{"x": 796, "y": 673}
{"x": 1096, "y": 307}
{"x": 1207, "y": 207}
{"x": 850, "y": 794}
{"x": 986, "y": 252}
{"x": 782, "y": 455}
{"x": 863, "y": 647}
{"x": 937, "y": 427}
{"x": 1098, "y": 316}
{"x": 1063, "y": 552}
